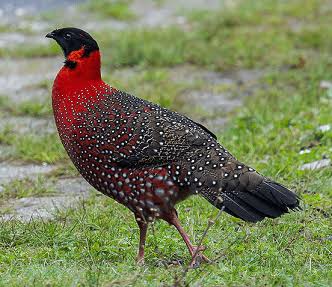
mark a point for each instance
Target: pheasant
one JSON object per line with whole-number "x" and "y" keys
{"x": 146, "y": 157}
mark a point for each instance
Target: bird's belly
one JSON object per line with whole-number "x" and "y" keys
{"x": 148, "y": 192}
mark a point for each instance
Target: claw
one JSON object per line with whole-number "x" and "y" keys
{"x": 140, "y": 261}
{"x": 198, "y": 257}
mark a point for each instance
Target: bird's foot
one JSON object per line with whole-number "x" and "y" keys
{"x": 198, "y": 257}
{"x": 140, "y": 261}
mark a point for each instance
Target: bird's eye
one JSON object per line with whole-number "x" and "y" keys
{"x": 67, "y": 36}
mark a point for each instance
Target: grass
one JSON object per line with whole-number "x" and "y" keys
{"x": 46, "y": 148}
{"x": 31, "y": 51}
{"x": 95, "y": 245}
{"x": 6, "y": 135}
{"x": 246, "y": 36}
{"x": 33, "y": 147}
{"x": 12, "y": 28}
{"x": 32, "y": 108}
{"x": 153, "y": 84}
{"x": 116, "y": 9}
{"x": 26, "y": 188}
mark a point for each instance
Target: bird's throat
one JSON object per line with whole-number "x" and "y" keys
{"x": 79, "y": 70}
{"x": 72, "y": 83}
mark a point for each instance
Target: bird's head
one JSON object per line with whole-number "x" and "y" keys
{"x": 74, "y": 42}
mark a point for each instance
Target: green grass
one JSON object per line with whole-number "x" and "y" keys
{"x": 153, "y": 84}
{"x": 6, "y": 135}
{"x": 247, "y": 35}
{"x": 32, "y": 108}
{"x": 46, "y": 148}
{"x": 13, "y": 28}
{"x": 32, "y": 147}
{"x": 116, "y": 9}
{"x": 26, "y": 188}
{"x": 31, "y": 51}
{"x": 95, "y": 245}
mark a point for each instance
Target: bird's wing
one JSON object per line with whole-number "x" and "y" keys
{"x": 163, "y": 136}
{"x": 203, "y": 128}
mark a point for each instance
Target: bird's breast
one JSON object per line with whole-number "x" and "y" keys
{"x": 101, "y": 132}
{"x": 94, "y": 130}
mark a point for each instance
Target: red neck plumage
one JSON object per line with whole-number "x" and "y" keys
{"x": 86, "y": 71}
{"x": 75, "y": 86}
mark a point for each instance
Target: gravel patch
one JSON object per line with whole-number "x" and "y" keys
{"x": 10, "y": 171}
{"x": 69, "y": 193}
{"x": 316, "y": 164}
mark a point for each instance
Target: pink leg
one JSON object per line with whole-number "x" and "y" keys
{"x": 195, "y": 252}
{"x": 143, "y": 228}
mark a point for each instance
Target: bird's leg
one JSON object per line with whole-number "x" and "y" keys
{"x": 143, "y": 228}
{"x": 195, "y": 251}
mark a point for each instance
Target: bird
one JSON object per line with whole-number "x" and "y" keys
{"x": 147, "y": 157}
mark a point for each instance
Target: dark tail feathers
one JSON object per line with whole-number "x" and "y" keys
{"x": 268, "y": 199}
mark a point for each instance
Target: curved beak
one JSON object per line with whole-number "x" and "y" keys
{"x": 50, "y": 35}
